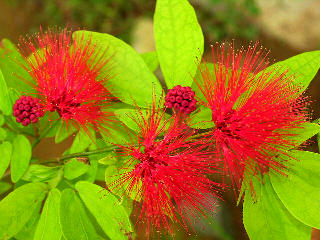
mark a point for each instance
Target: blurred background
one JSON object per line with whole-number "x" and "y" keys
{"x": 286, "y": 27}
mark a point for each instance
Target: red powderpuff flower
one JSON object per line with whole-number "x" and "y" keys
{"x": 70, "y": 77}
{"x": 254, "y": 110}
{"x": 166, "y": 171}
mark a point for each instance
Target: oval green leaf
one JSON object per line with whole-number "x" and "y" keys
{"x": 49, "y": 225}
{"x": 19, "y": 206}
{"x": 179, "y": 41}
{"x": 266, "y": 217}
{"x": 20, "y": 159}
{"x": 74, "y": 221}
{"x": 151, "y": 59}
{"x": 5, "y": 153}
{"x": 131, "y": 81}
{"x": 111, "y": 216}
{"x": 74, "y": 169}
{"x": 5, "y": 101}
{"x": 299, "y": 191}
{"x": 304, "y": 66}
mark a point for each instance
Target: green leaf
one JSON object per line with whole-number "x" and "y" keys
{"x": 267, "y": 218}
{"x": 304, "y": 132}
{"x": 12, "y": 66}
{"x": 74, "y": 169}
{"x": 74, "y": 220}
{"x": 179, "y": 41}
{"x": 202, "y": 119}
{"x": 128, "y": 70}
{"x": 151, "y": 59}
{"x": 117, "y": 133}
{"x": 20, "y": 159}
{"x": 49, "y": 225}
{"x": 113, "y": 173}
{"x": 17, "y": 208}
{"x": 305, "y": 66}
{"x": 5, "y": 153}
{"x": 27, "y": 232}
{"x": 5, "y": 101}
{"x": 202, "y": 68}
{"x": 2, "y": 119}
{"x": 3, "y": 134}
{"x": 4, "y": 187}
{"x": 39, "y": 173}
{"x": 81, "y": 142}
{"x": 130, "y": 116}
{"x": 64, "y": 132}
{"x": 111, "y": 216}
{"x": 299, "y": 191}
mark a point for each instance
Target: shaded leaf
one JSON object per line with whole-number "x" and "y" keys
{"x": 5, "y": 101}
{"x": 75, "y": 223}
{"x": 5, "y": 153}
{"x": 40, "y": 173}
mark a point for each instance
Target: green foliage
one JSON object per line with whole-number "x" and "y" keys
{"x": 5, "y": 153}
{"x": 28, "y": 230}
{"x": 110, "y": 215}
{"x": 179, "y": 41}
{"x": 202, "y": 118}
{"x": 303, "y": 66}
{"x": 49, "y": 227}
{"x": 130, "y": 117}
{"x": 74, "y": 169}
{"x": 82, "y": 141}
{"x": 21, "y": 155}
{"x": 39, "y": 173}
{"x": 305, "y": 132}
{"x": 63, "y": 132}
{"x": 151, "y": 59}
{"x": 74, "y": 220}
{"x": 128, "y": 69}
{"x": 4, "y": 187}
{"x": 265, "y": 217}
{"x": 13, "y": 69}
{"x": 299, "y": 190}
{"x": 18, "y": 207}
{"x": 5, "y": 102}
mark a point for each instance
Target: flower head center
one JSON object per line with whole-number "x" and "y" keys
{"x": 228, "y": 123}
{"x": 64, "y": 105}
{"x": 150, "y": 160}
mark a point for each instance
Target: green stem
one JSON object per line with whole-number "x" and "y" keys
{"x": 43, "y": 134}
{"x": 82, "y": 154}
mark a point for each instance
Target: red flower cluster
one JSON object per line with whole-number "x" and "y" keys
{"x": 71, "y": 77}
{"x": 254, "y": 110}
{"x": 27, "y": 110}
{"x": 169, "y": 173}
{"x": 181, "y": 99}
